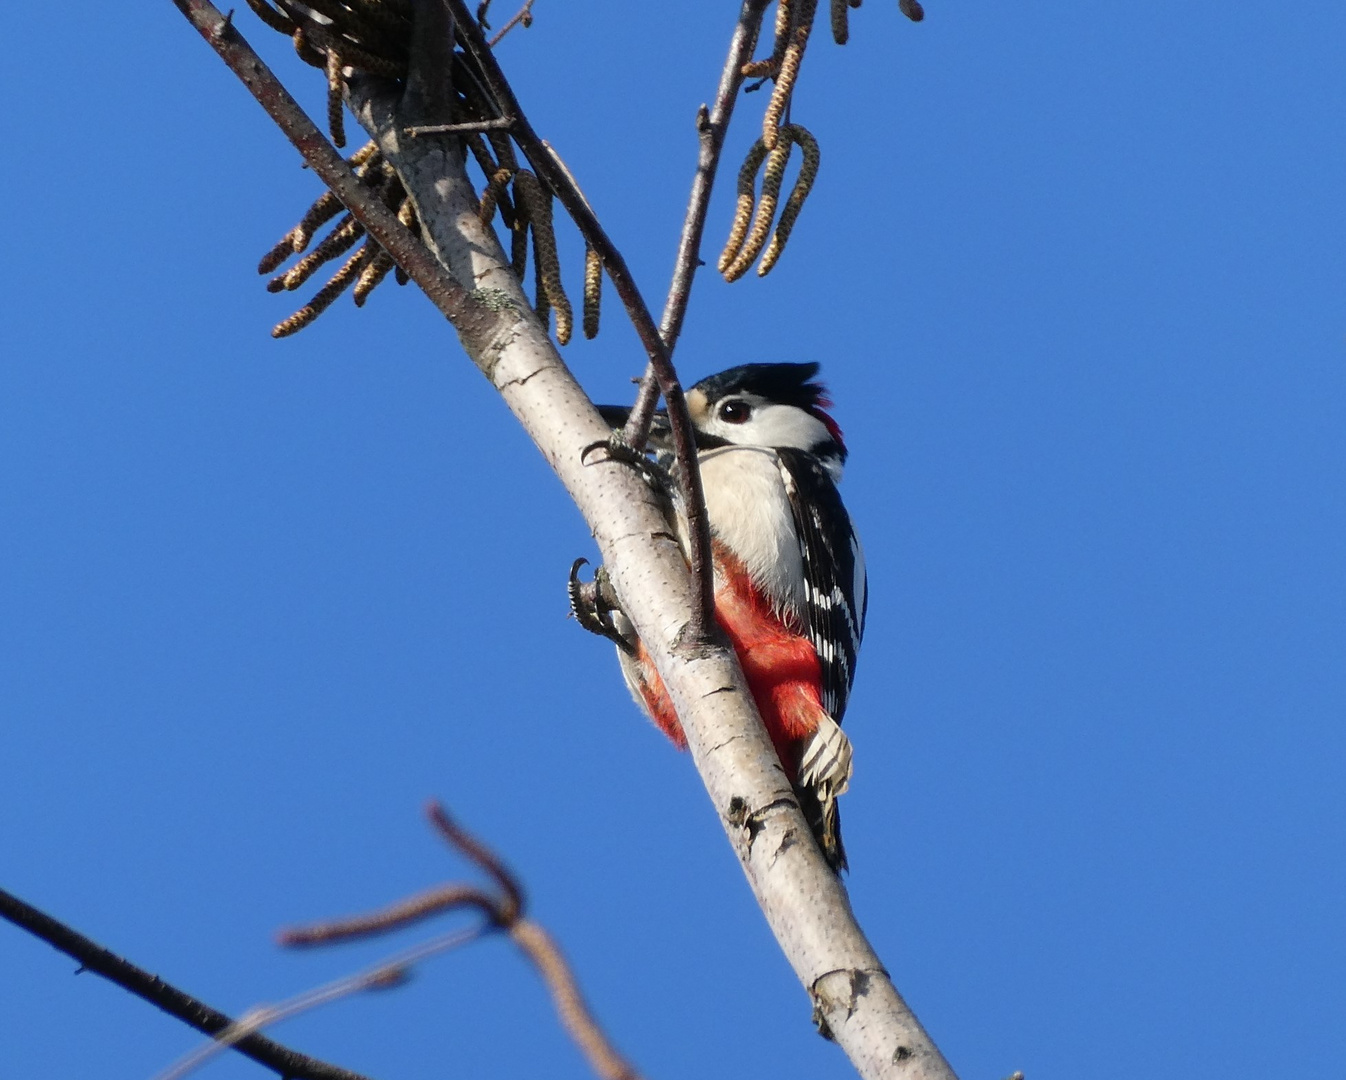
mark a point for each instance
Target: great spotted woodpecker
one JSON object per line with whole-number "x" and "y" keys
{"x": 790, "y": 589}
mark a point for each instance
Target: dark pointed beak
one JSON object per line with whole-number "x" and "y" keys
{"x": 614, "y": 416}
{"x": 617, "y": 415}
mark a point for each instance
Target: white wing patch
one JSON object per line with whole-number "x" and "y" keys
{"x": 834, "y": 574}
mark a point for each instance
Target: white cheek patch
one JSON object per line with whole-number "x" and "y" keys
{"x": 771, "y": 425}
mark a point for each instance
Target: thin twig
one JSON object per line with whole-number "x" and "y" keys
{"x": 548, "y": 168}
{"x": 523, "y": 15}
{"x": 536, "y": 944}
{"x": 711, "y": 127}
{"x": 387, "y": 975}
{"x": 498, "y": 123}
{"x": 486, "y": 859}
{"x": 711, "y": 131}
{"x": 391, "y": 919}
{"x": 502, "y": 912}
{"x": 191, "y": 1011}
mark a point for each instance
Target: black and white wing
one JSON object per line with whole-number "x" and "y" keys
{"x": 834, "y": 571}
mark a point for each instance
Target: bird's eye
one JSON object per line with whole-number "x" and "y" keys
{"x": 735, "y": 412}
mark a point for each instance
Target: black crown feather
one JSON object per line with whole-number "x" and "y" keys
{"x": 790, "y": 384}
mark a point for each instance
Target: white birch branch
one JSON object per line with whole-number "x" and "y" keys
{"x": 804, "y": 902}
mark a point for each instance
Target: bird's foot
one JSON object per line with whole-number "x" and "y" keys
{"x": 593, "y": 604}
{"x": 618, "y": 450}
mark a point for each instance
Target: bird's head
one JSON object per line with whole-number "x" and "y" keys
{"x": 776, "y": 405}
{"x": 773, "y": 405}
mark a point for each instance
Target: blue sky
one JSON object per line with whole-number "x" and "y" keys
{"x": 1075, "y": 274}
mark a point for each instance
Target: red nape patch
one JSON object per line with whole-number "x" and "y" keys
{"x": 832, "y": 426}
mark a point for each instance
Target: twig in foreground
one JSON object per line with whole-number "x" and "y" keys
{"x": 191, "y": 1011}
{"x": 388, "y": 975}
{"x": 504, "y": 911}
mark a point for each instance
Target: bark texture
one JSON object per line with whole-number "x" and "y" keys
{"x": 805, "y": 903}
{"x": 470, "y": 281}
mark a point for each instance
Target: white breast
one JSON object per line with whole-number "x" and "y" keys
{"x": 750, "y": 513}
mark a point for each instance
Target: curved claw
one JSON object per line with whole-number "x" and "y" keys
{"x": 580, "y": 606}
{"x": 592, "y": 605}
{"x": 602, "y": 444}
{"x": 615, "y": 448}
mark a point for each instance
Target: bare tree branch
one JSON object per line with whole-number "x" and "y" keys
{"x": 711, "y": 129}
{"x": 551, "y": 169}
{"x": 391, "y": 973}
{"x": 502, "y": 123}
{"x": 178, "y": 1004}
{"x": 804, "y": 902}
{"x": 711, "y": 126}
{"x": 511, "y": 904}
{"x": 524, "y": 15}
{"x": 504, "y": 912}
{"x": 536, "y": 944}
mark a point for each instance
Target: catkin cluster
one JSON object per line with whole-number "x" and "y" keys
{"x": 753, "y": 215}
{"x": 342, "y": 37}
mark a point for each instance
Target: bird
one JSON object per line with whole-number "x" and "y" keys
{"x": 790, "y": 586}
